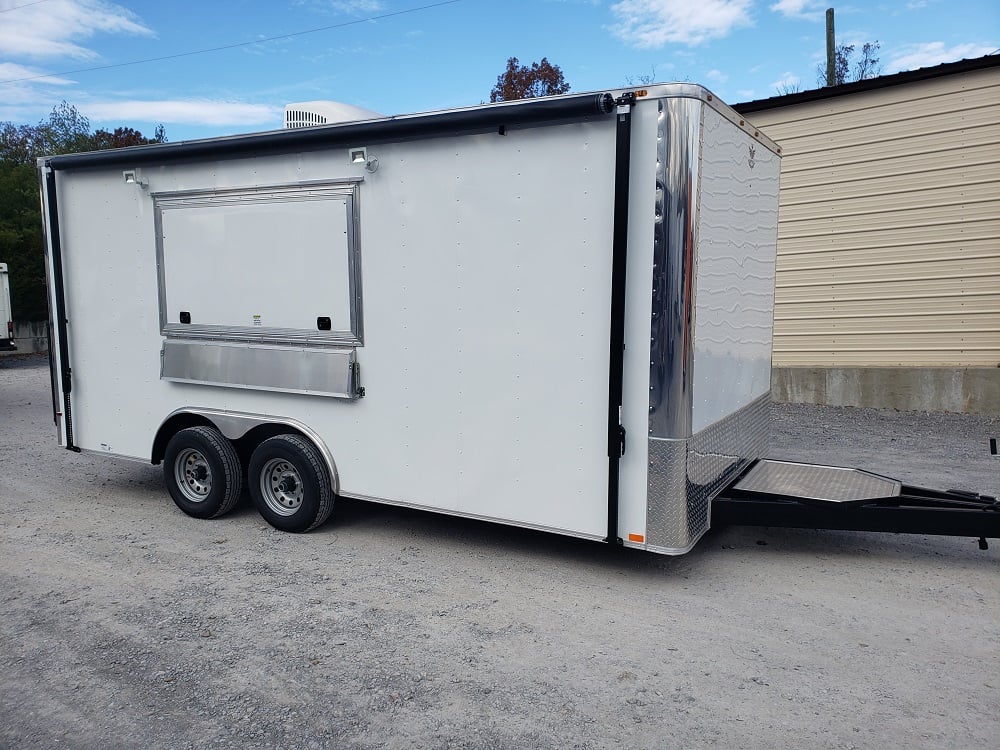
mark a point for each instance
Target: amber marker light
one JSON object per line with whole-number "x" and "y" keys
{"x": 636, "y": 538}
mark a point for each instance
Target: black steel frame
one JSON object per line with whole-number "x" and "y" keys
{"x": 916, "y": 510}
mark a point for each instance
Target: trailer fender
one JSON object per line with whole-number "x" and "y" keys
{"x": 236, "y": 426}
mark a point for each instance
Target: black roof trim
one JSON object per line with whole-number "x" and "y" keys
{"x": 529, "y": 112}
{"x": 872, "y": 84}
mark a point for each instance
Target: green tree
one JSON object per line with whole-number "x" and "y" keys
{"x": 21, "y": 240}
{"x": 122, "y": 137}
{"x": 66, "y": 131}
{"x": 524, "y": 82}
{"x": 18, "y": 143}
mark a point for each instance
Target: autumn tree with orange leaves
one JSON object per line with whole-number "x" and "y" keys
{"x": 524, "y": 82}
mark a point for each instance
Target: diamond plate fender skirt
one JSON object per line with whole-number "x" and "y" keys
{"x": 684, "y": 475}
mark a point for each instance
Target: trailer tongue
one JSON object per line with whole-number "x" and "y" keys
{"x": 795, "y": 495}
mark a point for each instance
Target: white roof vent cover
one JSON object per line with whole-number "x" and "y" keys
{"x": 309, "y": 114}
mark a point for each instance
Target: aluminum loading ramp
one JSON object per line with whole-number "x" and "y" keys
{"x": 810, "y": 496}
{"x": 827, "y": 484}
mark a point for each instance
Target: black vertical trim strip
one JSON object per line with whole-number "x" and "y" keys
{"x": 616, "y": 358}
{"x": 53, "y": 380}
{"x": 59, "y": 301}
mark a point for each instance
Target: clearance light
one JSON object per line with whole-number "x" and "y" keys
{"x": 134, "y": 177}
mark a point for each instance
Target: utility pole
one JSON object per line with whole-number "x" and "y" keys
{"x": 831, "y": 50}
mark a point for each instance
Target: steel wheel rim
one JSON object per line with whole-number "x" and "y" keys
{"x": 281, "y": 487}
{"x": 193, "y": 475}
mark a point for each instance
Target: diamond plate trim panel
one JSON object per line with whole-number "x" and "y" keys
{"x": 684, "y": 475}
{"x": 666, "y": 509}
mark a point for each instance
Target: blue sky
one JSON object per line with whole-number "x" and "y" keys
{"x": 397, "y": 56}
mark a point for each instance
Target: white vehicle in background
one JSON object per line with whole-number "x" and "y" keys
{"x": 553, "y": 313}
{"x": 6, "y": 317}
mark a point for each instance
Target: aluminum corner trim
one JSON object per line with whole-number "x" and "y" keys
{"x": 678, "y": 156}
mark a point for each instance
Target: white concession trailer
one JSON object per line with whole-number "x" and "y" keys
{"x": 6, "y": 316}
{"x": 553, "y": 313}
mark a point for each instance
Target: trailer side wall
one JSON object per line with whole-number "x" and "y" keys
{"x": 485, "y": 265}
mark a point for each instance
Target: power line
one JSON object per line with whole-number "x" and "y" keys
{"x": 232, "y": 46}
{"x": 8, "y": 10}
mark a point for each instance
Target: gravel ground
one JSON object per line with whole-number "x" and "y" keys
{"x": 127, "y": 624}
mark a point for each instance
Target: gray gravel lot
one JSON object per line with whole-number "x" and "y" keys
{"x": 127, "y": 624}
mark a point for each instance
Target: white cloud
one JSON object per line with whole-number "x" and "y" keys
{"x": 807, "y": 10}
{"x": 654, "y": 23}
{"x": 186, "y": 112}
{"x": 191, "y": 112}
{"x": 56, "y": 29}
{"x": 14, "y": 72}
{"x": 353, "y": 7}
{"x": 717, "y": 75}
{"x": 934, "y": 53}
{"x": 19, "y": 101}
{"x": 786, "y": 82}
{"x": 356, "y": 6}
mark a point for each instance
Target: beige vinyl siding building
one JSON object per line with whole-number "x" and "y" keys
{"x": 888, "y": 281}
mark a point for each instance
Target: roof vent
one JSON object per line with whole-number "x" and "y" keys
{"x": 311, "y": 114}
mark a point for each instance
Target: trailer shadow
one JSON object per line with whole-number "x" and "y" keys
{"x": 891, "y": 548}
{"x": 390, "y": 522}
{"x": 388, "y": 525}
{"x": 357, "y": 516}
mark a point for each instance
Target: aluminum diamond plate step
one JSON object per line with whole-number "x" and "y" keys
{"x": 827, "y": 484}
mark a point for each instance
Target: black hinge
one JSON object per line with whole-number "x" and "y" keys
{"x": 359, "y": 390}
{"x": 626, "y": 99}
{"x": 616, "y": 442}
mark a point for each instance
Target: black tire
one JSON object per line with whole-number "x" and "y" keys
{"x": 289, "y": 483}
{"x": 202, "y": 472}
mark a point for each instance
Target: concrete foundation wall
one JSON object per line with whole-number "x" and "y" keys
{"x": 30, "y": 337}
{"x": 973, "y": 390}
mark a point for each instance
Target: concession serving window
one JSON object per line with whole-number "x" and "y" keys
{"x": 278, "y": 264}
